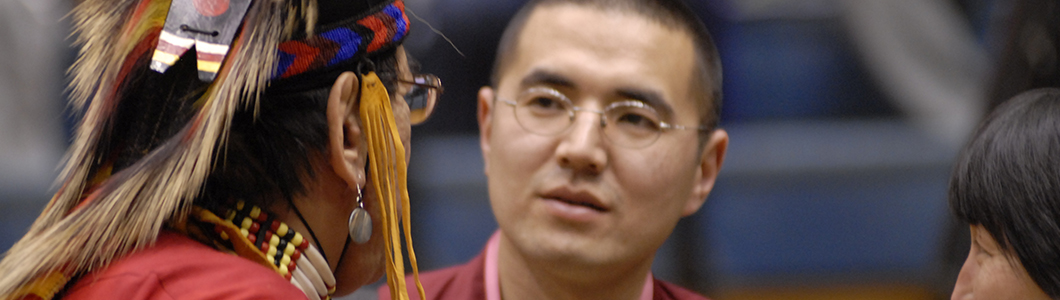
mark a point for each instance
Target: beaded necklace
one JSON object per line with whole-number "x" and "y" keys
{"x": 260, "y": 237}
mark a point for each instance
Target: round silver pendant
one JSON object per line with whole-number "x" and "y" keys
{"x": 360, "y": 225}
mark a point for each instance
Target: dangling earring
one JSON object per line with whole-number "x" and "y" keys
{"x": 360, "y": 222}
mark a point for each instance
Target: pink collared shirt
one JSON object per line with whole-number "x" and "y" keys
{"x": 493, "y": 282}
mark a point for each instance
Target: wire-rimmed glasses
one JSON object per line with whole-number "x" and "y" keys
{"x": 422, "y": 95}
{"x": 629, "y": 123}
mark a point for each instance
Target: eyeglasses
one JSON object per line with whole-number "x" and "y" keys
{"x": 631, "y": 124}
{"x": 422, "y": 96}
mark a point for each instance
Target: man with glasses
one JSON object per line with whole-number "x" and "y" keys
{"x": 599, "y": 134}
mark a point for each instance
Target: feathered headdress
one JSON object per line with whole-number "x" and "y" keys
{"x": 241, "y": 46}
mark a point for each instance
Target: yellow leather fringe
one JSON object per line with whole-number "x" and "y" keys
{"x": 387, "y": 169}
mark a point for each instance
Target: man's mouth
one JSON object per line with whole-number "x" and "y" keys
{"x": 577, "y": 198}
{"x": 581, "y": 203}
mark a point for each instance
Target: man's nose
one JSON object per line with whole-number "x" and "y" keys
{"x": 581, "y": 148}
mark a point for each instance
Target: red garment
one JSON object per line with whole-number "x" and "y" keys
{"x": 467, "y": 282}
{"x": 177, "y": 267}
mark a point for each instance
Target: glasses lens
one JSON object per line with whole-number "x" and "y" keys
{"x": 543, "y": 111}
{"x": 632, "y": 124}
{"x": 422, "y": 97}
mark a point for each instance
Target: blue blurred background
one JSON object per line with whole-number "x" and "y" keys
{"x": 844, "y": 117}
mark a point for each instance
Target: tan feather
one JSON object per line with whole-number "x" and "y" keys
{"x": 128, "y": 211}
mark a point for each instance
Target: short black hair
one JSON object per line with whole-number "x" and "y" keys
{"x": 1007, "y": 179}
{"x": 670, "y": 13}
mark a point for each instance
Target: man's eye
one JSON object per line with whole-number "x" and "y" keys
{"x": 542, "y": 104}
{"x": 635, "y": 117}
{"x": 637, "y": 120}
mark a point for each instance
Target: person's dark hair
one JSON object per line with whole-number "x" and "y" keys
{"x": 1007, "y": 179}
{"x": 670, "y": 13}
{"x": 270, "y": 153}
{"x": 269, "y": 148}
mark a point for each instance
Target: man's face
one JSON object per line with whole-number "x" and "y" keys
{"x": 989, "y": 273}
{"x": 540, "y": 185}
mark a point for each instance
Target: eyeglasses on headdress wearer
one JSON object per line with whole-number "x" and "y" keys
{"x": 422, "y": 95}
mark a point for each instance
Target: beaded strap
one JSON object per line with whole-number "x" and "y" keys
{"x": 278, "y": 234}
{"x": 284, "y": 248}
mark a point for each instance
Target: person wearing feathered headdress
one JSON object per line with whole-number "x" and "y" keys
{"x": 230, "y": 149}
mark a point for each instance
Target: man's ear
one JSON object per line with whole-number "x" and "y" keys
{"x": 345, "y": 150}
{"x": 485, "y": 123}
{"x": 710, "y": 161}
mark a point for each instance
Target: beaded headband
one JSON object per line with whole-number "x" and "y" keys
{"x": 340, "y": 43}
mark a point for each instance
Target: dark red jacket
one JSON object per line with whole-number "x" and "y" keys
{"x": 467, "y": 282}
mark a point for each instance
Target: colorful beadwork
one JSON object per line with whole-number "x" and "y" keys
{"x": 269, "y": 241}
{"x": 283, "y": 247}
{"x": 342, "y": 42}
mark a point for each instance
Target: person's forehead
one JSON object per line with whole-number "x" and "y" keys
{"x": 607, "y": 49}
